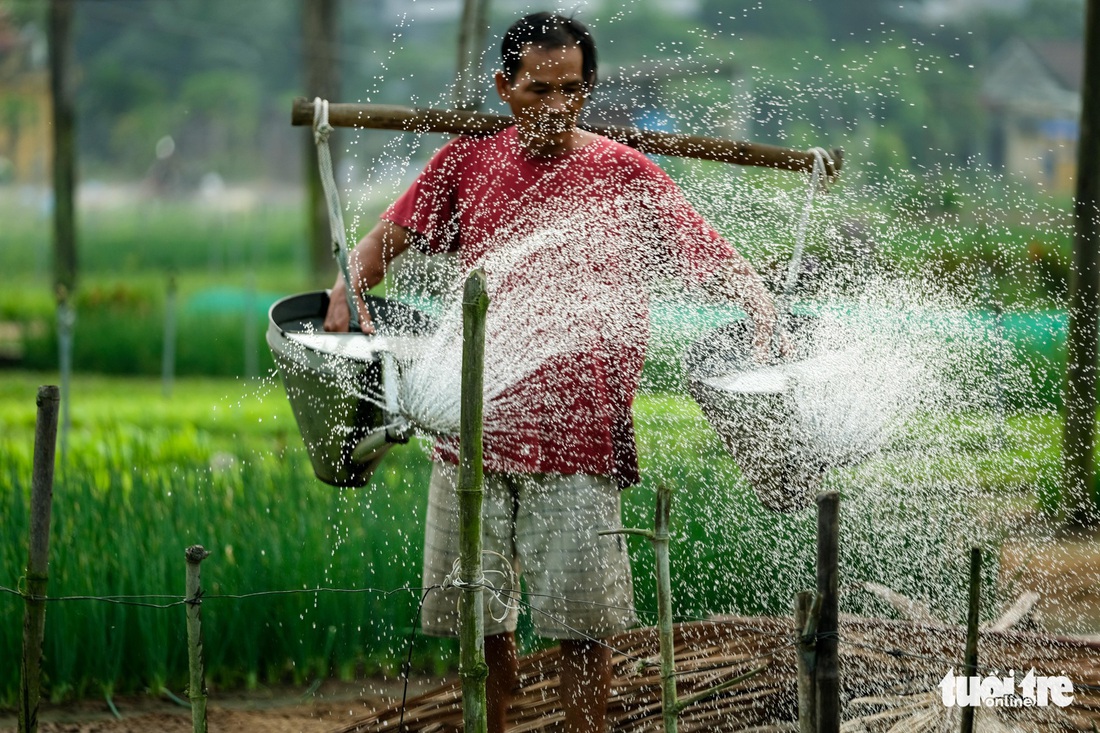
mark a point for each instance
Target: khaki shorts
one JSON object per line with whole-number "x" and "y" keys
{"x": 545, "y": 525}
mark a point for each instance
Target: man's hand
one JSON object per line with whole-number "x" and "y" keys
{"x": 737, "y": 282}
{"x": 367, "y": 265}
{"x": 337, "y": 317}
{"x": 765, "y": 325}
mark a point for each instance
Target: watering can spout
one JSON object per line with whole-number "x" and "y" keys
{"x": 375, "y": 445}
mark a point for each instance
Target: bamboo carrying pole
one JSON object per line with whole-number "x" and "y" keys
{"x": 807, "y": 606}
{"x": 454, "y": 122}
{"x": 196, "y": 689}
{"x": 970, "y": 668}
{"x": 34, "y": 613}
{"x": 827, "y": 674}
{"x": 472, "y": 668}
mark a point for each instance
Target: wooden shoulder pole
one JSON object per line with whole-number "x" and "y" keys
{"x": 456, "y": 122}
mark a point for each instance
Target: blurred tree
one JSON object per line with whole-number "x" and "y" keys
{"x": 322, "y": 79}
{"x": 775, "y": 19}
{"x": 62, "y": 93}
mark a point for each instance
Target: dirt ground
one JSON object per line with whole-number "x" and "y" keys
{"x": 332, "y": 706}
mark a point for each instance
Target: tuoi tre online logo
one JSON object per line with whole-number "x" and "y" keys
{"x": 1034, "y": 690}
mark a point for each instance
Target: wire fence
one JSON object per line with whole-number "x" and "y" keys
{"x": 786, "y": 640}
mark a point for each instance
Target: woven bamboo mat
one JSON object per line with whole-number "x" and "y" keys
{"x": 889, "y": 673}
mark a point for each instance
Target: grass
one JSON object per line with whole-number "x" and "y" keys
{"x": 219, "y": 463}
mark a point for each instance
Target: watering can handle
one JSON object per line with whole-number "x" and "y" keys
{"x": 321, "y": 130}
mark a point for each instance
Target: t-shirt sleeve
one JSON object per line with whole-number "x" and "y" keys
{"x": 695, "y": 249}
{"x": 429, "y": 207}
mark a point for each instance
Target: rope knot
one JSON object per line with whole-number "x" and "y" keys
{"x": 321, "y": 127}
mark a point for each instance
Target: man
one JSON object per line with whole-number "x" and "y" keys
{"x": 604, "y": 221}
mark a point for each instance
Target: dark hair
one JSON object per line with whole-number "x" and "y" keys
{"x": 548, "y": 31}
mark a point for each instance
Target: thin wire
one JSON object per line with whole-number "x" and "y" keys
{"x": 124, "y": 600}
{"x": 408, "y": 660}
{"x": 681, "y": 617}
{"x": 518, "y": 599}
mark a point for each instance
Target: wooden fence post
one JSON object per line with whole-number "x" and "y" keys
{"x": 828, "y": 664}
{"x": 196, "y": 690}
{"x": 472, "y": 667}
{"x": 970, "y": 667}
{"x": 34, "y": 612}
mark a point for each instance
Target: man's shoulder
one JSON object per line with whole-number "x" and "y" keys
{"x": 628, "y": 158}
{"x": 473, "y": 146}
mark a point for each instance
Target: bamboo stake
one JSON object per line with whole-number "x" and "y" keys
{"x": 472, "y": 667}
{"x": 670, "y": 708}
{"x": 970, "y": 668}
{"x": 34, "y": 612}
{"x": 807, "y": 606}
{"x": 828, "y": 664}
{"x": 196, "y": 690}
{"x": 457, "y": 122}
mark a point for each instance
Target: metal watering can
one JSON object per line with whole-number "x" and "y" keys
{"x": 342, "y": 387}
{"x": 752, "y": 409}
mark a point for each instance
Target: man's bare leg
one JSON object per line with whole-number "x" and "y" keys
{"x": 500, "y": 657}
{"x": 585, "y": 685}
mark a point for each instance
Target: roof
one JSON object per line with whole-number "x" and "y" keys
{"x": 1065, "y": 60}
{"x": 1040, "y": 78}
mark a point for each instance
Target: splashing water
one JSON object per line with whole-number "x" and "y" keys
{"x": 907, "y": 389}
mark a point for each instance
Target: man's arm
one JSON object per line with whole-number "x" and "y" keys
{"x": 367, "y": 265}
{"x": 736, "y": 281}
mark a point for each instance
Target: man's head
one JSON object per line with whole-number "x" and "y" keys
{"x": 549, "y": 70}
{"x": 548, "y": 31}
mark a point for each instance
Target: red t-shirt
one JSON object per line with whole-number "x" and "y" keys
{"x": 577, "y": 237}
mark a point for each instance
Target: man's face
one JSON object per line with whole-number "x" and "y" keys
{"x": 548, "y": 93}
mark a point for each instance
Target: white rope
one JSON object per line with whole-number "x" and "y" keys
{"x": 453, "y": 580}
{"x": 818, "y": 178}
{"x": 321, "y": 131}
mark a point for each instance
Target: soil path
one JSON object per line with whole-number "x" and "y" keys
{"x": 332, "y": 706}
